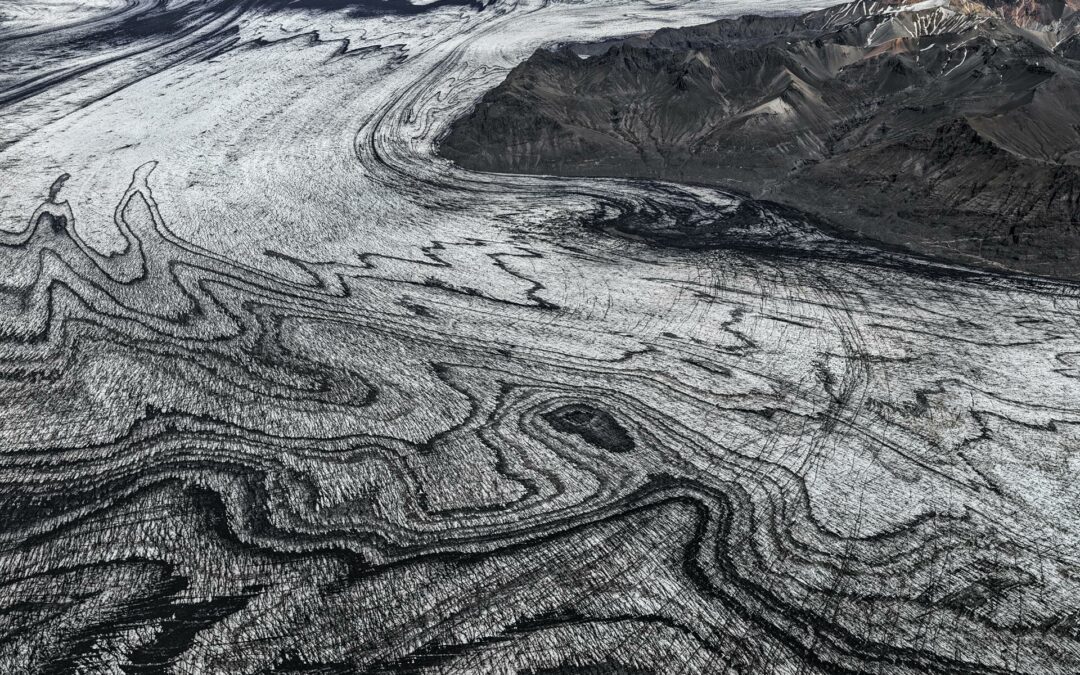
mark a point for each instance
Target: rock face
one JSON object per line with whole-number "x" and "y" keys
{"x": 951, "y": 128}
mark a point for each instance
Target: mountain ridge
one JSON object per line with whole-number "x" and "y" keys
{"x": 943, "y": 126}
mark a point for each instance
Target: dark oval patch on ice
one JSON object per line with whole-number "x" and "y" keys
{"x": 595, "y": 426}
{"x": 55, "y": 224}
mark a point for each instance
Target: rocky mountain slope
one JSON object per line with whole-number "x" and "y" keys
{"x": 949, "y": 127}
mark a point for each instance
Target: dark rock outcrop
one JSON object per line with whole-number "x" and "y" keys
{"x": 951, "y": 128}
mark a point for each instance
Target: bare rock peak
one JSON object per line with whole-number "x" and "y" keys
{"x": 944, "y": 126}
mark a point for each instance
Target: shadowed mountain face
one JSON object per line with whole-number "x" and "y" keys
{"x": 950, "y": 128}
